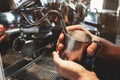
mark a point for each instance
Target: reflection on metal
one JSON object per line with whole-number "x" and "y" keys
{"x": 44, "y": 69}
{"x": 18, "y": 44}
{"x": 9, "y": 19}
{"x": 118, "y": 26}
{"x": 2, "y": 76}
{"x": 25, "y": 62}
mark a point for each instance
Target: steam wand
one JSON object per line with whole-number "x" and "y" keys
{"x": 59, "y": 16}
{"x": 63, "y": 25}
{"x": 19, "y": 42}
{"x": 45, "y": 16}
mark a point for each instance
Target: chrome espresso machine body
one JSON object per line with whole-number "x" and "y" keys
{"x": 28, "y": 39}
{"x": 32, "y": 32}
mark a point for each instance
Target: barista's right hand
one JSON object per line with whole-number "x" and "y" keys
{"x": 72, "y": 70}
{"x": 91, "y": 48}
{"x": 2, "y": 35}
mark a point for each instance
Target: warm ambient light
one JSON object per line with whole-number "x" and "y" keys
{"x": 98, "y": 4}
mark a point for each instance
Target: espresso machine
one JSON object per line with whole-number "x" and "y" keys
{"x": 31, "y": 38}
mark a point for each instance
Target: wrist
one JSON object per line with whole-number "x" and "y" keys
{"x": 110, "y": 51}
{"x": 87, "y": 75}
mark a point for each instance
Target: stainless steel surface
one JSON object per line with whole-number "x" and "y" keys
{"x": 2, "y": 75}
{"x": 75, "y": 42}
{"x": 14, "y": 62}
{"x": 42, "y": 70}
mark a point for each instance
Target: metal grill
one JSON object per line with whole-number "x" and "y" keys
{"x": 42, "y": 70}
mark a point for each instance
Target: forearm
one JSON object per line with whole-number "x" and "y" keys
{"x": 110, "y": 52}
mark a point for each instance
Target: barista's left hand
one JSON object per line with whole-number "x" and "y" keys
{"x": 91, "y": 48}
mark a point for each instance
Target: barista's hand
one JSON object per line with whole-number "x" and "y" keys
{"x": 2, "y": 35}
{"x": 72, "y": 70}
{"x": 91, "y": 48}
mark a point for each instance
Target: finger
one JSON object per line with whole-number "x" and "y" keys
{"x": 59, "y": 47}
{"x": 78, "y": 27}
{"x": 1, "y": 26}
{"x": 61, "y": 37}
{"x": 56, "y": 57}
{"x": 74, "y": 27}
{"x": 91, "y": 49}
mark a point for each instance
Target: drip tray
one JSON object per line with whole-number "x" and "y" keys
{"x": 42, "y": 70}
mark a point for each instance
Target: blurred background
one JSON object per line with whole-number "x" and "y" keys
{"x": 32, "y": 28}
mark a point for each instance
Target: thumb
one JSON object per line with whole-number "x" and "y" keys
{"x": 91, "y": 49}
{"x": 56, "y": 57}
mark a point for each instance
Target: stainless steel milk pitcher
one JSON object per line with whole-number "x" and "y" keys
{"x": 75, "y": 44}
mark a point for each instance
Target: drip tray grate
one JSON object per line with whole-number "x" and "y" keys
{"x": 42, "y": 70}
